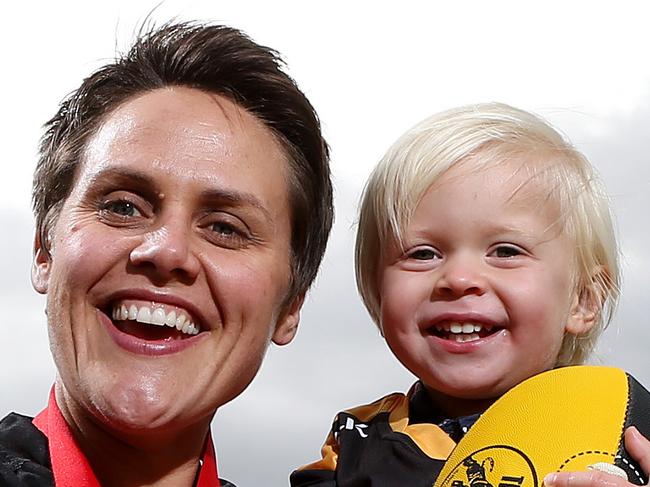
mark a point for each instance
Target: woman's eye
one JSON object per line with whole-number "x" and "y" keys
{"x": 224, "y": 229}
{"x": 228, "y": 232}
{"x": 423, "y": 254}
{"x": 122, "y": 208}
{"x": 505, "y": 251}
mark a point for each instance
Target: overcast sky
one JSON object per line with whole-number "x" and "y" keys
{"x": 372, "y": 70}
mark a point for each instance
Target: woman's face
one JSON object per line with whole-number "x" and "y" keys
{"x": 170, "y": 262}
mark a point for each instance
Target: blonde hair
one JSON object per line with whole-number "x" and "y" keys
{"x": 493, "y": 133}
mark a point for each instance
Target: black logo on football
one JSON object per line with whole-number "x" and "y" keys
{"x": 493, "y": 466}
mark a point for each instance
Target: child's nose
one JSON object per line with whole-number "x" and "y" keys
{"x": 460, "y": 277}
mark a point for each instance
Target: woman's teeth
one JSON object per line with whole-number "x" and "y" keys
{"x": 461, "y": 332}
{"x": 155, "y": 316}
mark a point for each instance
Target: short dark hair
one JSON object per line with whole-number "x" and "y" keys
{"x": 216, "y": 59}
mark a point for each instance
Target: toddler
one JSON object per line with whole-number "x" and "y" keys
{"x": 486, "y": 255}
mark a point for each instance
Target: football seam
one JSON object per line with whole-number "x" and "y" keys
{"x": 586, "y": 452}
{"x": 598, "y": 452}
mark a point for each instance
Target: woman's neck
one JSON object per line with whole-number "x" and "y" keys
{"x": 157, "y": 459}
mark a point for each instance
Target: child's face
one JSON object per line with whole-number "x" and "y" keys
{"x": 482, "y": 296}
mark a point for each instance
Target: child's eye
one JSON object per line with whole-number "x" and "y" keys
{"x": 423, "y": 253}
{"x": 506, "y": 251}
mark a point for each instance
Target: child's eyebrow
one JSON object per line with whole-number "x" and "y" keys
{"x": 532, "y": 237}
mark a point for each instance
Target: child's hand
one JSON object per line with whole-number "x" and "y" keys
{"x": 636, "y": 444}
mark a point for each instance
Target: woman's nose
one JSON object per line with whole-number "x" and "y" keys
{"x": 167, "y": 251}
{"x": 460, "y": 276}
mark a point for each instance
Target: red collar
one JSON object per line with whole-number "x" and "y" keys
{"x": 70, "y": 466}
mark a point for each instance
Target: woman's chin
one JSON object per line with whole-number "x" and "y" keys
{"x": 134, "y": 409}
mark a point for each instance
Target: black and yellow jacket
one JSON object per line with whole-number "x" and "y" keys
{"x": 399, "y": 440}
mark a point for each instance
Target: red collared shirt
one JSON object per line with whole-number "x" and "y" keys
{"x": 71, "y": 467}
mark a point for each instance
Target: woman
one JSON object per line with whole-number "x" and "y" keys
{"x": 183, "y": 203}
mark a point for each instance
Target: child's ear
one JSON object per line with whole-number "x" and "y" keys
{"x": 287, "y": 325}
{"x": 41, "y": 265}
{"x": 587, "y": 306}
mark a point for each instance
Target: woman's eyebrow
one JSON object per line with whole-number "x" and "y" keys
{"x": 121, "y": 175}
{"x": 134, "y": 178}
{"x": 234, "y": 198}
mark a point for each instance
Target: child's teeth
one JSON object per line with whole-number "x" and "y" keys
{"x": 462, "y": 332}
{"x": 457, "y": 328}
{"x": 466, "y": 338}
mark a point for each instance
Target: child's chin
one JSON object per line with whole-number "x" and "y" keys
{"x": 474, "y": 389}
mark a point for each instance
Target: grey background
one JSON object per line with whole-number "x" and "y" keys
{"x": 372, "y": 70}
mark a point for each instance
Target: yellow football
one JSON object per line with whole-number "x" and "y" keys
{"x": 567, "y": 419}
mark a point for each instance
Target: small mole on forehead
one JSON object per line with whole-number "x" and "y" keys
{"x": 161, "y": 196}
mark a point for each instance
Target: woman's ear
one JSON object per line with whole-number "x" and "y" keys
{"x": 287, "y": 325}
{"x": 41, "y": 264}
{"x": 587, "y": 304}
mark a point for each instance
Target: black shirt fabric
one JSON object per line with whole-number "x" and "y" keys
{"x": 422, "y": 410}
{"x": 24, "y": 454}
{"x": 400, "y": 440}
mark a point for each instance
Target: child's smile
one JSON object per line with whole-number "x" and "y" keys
{"x": 461, "y": 331}
{"x": 481, "y": 295}
{"x": 463, "y": 326}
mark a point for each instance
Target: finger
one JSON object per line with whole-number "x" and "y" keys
{"x": 592, "y": 478}
{"x": 639, "y": 448}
